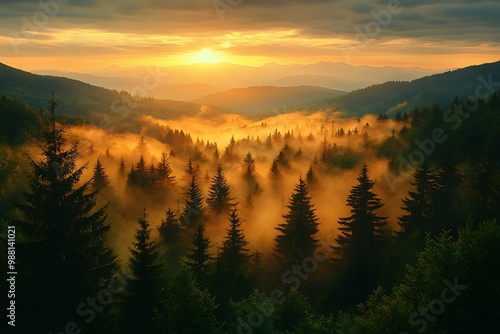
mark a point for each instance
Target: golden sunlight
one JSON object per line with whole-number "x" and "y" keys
{"x": 206, "y": 56}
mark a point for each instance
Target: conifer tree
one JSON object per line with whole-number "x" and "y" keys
{"x": 295, "y": 240}
{"x": 361, "y": 240}
{"x": 142, "y": 147}
{"x": 417, "y": 205}
{"x": 63, "y": 259}
{"x": 121, "y": 169}
{"x": 143, "y": 304}
{"x": 483, "y": 196}
{"x": 170, "y": 229}
{"x": 274, "y": 172}
{"x": 164, "y": 171}
{"x": 234, "y": 258}
{"x": 219, "y": 200}
{"x": 250, "y": 176}
{"x": 191, "y": 310}
{"x": 189, "y": 171}
{"x": 100, "y": 180}
{"x": 311, "y": 179}
{"x": 138, "y": 175}
{"x": 198, "y": 257}
{"x": 447, "y": 212}
{"x": 362, "y": 231}
{"x": 193, "y": 204}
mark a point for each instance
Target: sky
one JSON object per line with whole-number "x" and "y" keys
{"x": 77, "y": 35}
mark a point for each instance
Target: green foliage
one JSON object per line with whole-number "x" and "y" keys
{"x": 437, "y": 294}
{"x": 397, "y": 96}
{"x": 18, "y": 122}
{"x": 190, "y": 309}
{"x": 255, "y": 314}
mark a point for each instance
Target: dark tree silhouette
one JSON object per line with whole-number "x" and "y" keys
{"x": 62, "y": 256}
{"x": 143, "y": 298}
{"x": 234, "y": 258}
{"x": 219, "y": 200}
{"x": 170, "y": 229}
{"x": 311, "y": 179}
{"x": 295, "y": 240}
{"x": 363, "y": 230}
{"x": 198, "y": 257}
{"x": 361, "y": 240}
{"x": 447, "y": 211}
{"x": 138, "y": 177}
{"x": 416, "y": 221}
{"x": 121, "y": 169}
{"x": 100, "y": 180}
{"x": 193, "y": 204}
{"x": 164, "y": 171}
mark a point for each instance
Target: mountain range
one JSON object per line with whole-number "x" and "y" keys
{"x": 94, "y": 103}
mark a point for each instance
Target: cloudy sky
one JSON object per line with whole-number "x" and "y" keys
{"x": 91, "y": 34}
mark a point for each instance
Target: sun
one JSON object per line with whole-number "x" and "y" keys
{"x": 206, "y": 56}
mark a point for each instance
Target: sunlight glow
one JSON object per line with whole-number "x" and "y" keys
{"x": 206, "y": 56}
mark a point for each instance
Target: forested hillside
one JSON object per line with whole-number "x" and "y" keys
{"x": 297, "y": 224}
{"x": 404, "y": 96}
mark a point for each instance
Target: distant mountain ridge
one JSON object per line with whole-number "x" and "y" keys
{"x": 404, "y": 96}
{"x": 229, "y": 76}
{"x": 182, "y": 92}
{"x": 91, "y": 102}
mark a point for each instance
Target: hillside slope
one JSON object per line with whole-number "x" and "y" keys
{"x": 405, "y": 96}
{"x": 94, "y": 103}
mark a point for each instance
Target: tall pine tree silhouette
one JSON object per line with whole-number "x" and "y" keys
{"x": 198, "y": 257}
{"x": 170, "y": 229}
{"x": 360, "y": 241}
{"x": 193, "y": 204}
{"x": 63, "y": 259}
{"x": 100, "y": 180}
{"x": 249, "y": 176}
{"x": 362, "y": 231}
{"x": 447, "y": 209}
{"x": 143, "y": 306}
{"x": 219, "y": 200}
{"x": 311, "y": 179}
{"x": 234, "y": 260}
{"x": 164, "y": 171}
{"x": 416, "y": 221}
{"x": 295, "y": 240}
